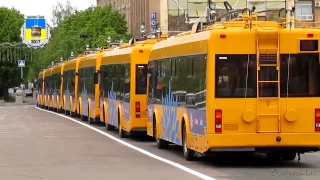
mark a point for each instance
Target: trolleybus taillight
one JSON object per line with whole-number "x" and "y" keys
{"x": 317, "y": 119}
{"x": 218, "y": 120}
{"x": 137, "y": 109}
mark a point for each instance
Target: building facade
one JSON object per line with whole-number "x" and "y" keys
{"x": 179, "y": 15}
{"x": 136, "y": 11}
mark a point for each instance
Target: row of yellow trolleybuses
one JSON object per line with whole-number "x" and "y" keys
{"x": 242, "y": 85}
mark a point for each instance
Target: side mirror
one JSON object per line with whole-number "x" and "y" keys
{"x": 95, "y": 78}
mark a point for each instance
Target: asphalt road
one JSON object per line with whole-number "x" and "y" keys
{"x": 37, "y": 144}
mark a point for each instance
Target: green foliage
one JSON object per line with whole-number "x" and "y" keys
{"x": 97, "y": 22}
{"x": 10, "y": 23}
{"x": 11, "y": 99}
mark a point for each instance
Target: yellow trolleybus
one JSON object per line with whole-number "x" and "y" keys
{"x": 70, "y": 86}
{"x": 254, "y": 86}
{"x": 88, "y": 89}
{"x": 57, "y": 86}
{"x": 47, "y": 88}
{"x": 40, "y": 89}
{"x": 123, "y": 80}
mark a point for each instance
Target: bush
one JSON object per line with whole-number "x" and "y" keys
{"x": 12, "y": 99}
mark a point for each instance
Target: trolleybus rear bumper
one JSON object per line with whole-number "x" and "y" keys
{"x": 302, "y": 142}
{"x": 139, "y": 124}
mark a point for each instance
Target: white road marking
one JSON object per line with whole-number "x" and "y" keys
{"x": 177, "y": 165}
{"x": 51, "y": 136}
{"x": 1, "y": 107}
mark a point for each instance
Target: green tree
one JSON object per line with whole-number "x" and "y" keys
{"x": 97, "y": 22}
{"x": 10, "y": 24}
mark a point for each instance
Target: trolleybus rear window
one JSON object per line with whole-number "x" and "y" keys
{"x": 304, "y": 75}
{"x": 235, "y": 73}
{"x": 141, "y": 78}
{"x": 299, "y": 76}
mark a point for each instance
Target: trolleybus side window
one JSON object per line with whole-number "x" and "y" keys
{"x": 304, "y": 75}
{"x": 80, "y": 80}
{"x": 59, "y": 81}
{"x": 89, "y": 80}
{"x": 188, "y": 80}
{"x": 119, "y": 82}
{"x": 126, "y": 88}
{"x": 234, "y": 73}
{"x": 103, "y": 80}
{"x": 106, "y": 80}
{"x": 141, "y": 78}
{"x": 72, "y": 80}
{"x": 65, "y": 79}
{"x": 39, "y": 85}
{"x": 45, "y": 84}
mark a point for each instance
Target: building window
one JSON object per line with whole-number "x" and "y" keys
{"x": 304, "y": 10}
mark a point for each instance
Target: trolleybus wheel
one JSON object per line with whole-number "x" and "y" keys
{"x": 122, "y": 133}
{"x": 66, "y": 112}
{"x": 72, "y": 114}
{"x": 289, "y": 156}
{"x": 187, "y": 153}
{"x": 273, "y": 156}
{"x": 90, "y": 120}
{"x": 83, "y": 118}
{"x": 109, "y": 127}
{"x": 161, "y": 144}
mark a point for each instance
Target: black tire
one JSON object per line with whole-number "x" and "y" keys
{"x": 289, "y": 156}
{"x": 161, "y": 144}
{"x": 67, "y": 112}
{"x": 273, "y": 157}
{"x": 122, "y": 134}
{"x": 103, "y": 115}
{"x": 109, "y": 127}
{"x": 72, "y": 114}
{"x": 90, "y": 120}
{"x": 83, "y": 118}
{"x": 188, "y": 154}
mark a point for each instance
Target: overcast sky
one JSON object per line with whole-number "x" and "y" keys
{"x": 43, "y": 7}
